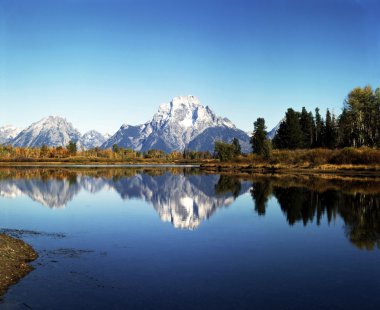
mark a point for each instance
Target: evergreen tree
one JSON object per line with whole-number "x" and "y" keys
{"x": 334, "y": 138}
{"x": 280, "y": 137}
{"x": 237, "y": 147}
{"x": 72, "y": 147}
{"x": 306, "y": 123}
{"x": 289, "y": 135}
{"x": 115, "y": 148}
{"x": 319, "y": 129}
{"x": 313, "y": 129}
{"x": 259, "y": 137}
{"x": 329, "y": 134}
{"x": 346, "y": 133}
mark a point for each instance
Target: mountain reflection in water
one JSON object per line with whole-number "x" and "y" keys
{"x": 185, "y": 197}
{"x": 182, "y": 199}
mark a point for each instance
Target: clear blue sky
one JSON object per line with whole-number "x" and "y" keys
{"x": 102, "y": 63}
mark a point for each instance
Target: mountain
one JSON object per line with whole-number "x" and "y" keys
{"x": 205, "y": 141}
{"x": 272, "y": 133}
{"x": 7, "y": 133}
{"x": 50, "y": 131}
{"x": 92, "y": 139}
{"x": 175, "y": 125}
{"x": 128, "y": 137}
{"x": 184, "y": 201}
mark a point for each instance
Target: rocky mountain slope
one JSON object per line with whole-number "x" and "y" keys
{"x": 183, "y": 123}
{"x": 50, "y": 131}
{"x": 273, "y": 131}
{"x": 7, "y": 133}
{"x": 175, "y": 126}
{"x": 92, "y": 139}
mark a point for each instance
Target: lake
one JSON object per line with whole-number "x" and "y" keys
{"x": 176, "y": 238}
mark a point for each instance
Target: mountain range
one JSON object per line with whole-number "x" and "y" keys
{"x": 50, "y": 131}
{"x": 183, "y": 123}
{"x": 185, "y": 201}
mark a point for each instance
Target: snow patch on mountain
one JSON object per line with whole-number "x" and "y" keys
{"x": 92, "y": 139}
{"x": 7, "y": 133}
{"x": 50, "y": 131}
{"x": 173, "y": 127}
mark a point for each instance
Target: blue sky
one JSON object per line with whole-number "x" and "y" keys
{"x": 102, "y": 63}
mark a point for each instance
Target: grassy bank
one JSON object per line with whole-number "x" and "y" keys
{"x": 324, "y": 160}
{"x": 347, "y": 159}
{"x": 14, "y": 257}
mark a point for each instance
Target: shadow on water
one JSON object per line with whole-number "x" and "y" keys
{"x": 185, "y": 197}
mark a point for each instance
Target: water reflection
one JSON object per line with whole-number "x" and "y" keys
{"x": 186, "y": 198}
{"x": 311, "y": 199}
{"x": 179, "y": 196}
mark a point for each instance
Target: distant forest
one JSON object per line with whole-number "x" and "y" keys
{"x": 358, "y": 125}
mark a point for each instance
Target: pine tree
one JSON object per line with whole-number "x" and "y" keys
{"x": 115, "y": 148}
{"x": 307, "y": 128}
{"x": 259, "y": 136}
{"x": 329, "y": 134}
{"x": 237, "y": 147}
{"x": 72, "y": 147}
{"x": 319, "y": 129}
{"x": 294, "y": 133}
{"x": 279, "y": 140}
{"x": 289, "y": 135}
{"x": 346, "y": 133}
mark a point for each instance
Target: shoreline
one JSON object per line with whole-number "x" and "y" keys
{"x": 96, "y": 165}
{"x": 238, "y": 168}
{"x": 15, "y": 256}
{"x": 212, "y": 167}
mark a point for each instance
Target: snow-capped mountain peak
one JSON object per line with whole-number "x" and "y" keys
{"x": 7, "y": 133}
{"x": 188, "y": 112}
{"x": 92, "y": 139}
{"x": 50, "y": 131}
{"x": 182, "y": 123}
{"x": 174, "y": 126}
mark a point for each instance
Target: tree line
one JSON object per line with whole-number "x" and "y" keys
{"x": 358, "y": 125}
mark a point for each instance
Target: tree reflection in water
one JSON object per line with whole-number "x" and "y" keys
{"x": 360, "y": 211}
{"x": 186, "y": 197}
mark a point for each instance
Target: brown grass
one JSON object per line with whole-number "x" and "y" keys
{"x": 360, "y": 159}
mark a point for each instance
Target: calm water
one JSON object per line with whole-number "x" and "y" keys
{"x": 175, "y": 239}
